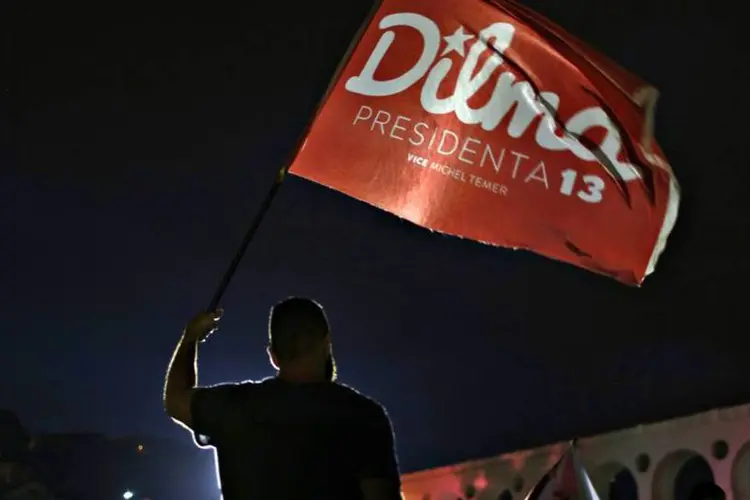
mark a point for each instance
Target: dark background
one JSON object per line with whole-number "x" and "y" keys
{"x": 137, "y": 142}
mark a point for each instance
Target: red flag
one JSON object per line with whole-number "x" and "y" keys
{"x": 484, "y": 120}
{"x": 566, "y": 480}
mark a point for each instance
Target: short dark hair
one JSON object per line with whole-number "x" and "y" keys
{"x": 294, "y": 324}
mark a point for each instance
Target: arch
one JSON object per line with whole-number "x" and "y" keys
{"x": 678, "y": 473}
{"x": 614, "y": 481}
{"x": 696, "y": 472}
{"x": 623, "y": 486}
{"x": 741, "y": 473}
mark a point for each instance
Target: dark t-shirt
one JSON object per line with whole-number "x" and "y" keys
{"x": 279, "y": 440}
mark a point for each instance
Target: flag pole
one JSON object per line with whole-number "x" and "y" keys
{"x": 249, "y": 235}
{"x": 224, "y": 283}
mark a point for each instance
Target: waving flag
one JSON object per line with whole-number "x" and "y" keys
{"x": 482, "y": 119}
{"x": 567, "y": 480}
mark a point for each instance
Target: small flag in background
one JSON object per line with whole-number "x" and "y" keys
{"x": 566, "y": 480}
{"x": 484, "y": 120}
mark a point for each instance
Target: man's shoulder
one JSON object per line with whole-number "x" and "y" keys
{"x": 228, "y": 386}
{"x": 231, "y": 389}
{"x": 365, "y": 404}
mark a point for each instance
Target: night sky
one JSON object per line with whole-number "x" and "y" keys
{"x": 137, "y": 144}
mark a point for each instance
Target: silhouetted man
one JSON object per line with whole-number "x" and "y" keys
{"x": 298, "y": 435}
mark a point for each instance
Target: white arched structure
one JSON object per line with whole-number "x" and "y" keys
{"x": 653, "y": 454}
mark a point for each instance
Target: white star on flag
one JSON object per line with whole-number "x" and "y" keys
{"x": 456, "y": 42}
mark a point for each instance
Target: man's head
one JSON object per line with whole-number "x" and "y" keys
{"x": 299, "y": 338}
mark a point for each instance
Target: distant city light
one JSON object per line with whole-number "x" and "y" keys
{"x": 127, "y": 495}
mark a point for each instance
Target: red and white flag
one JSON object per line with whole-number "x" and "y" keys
{"x": 566, "y": 480}
{"x": 482, "y": 119}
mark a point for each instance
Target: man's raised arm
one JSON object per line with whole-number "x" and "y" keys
{"x": 182, "y": 374}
